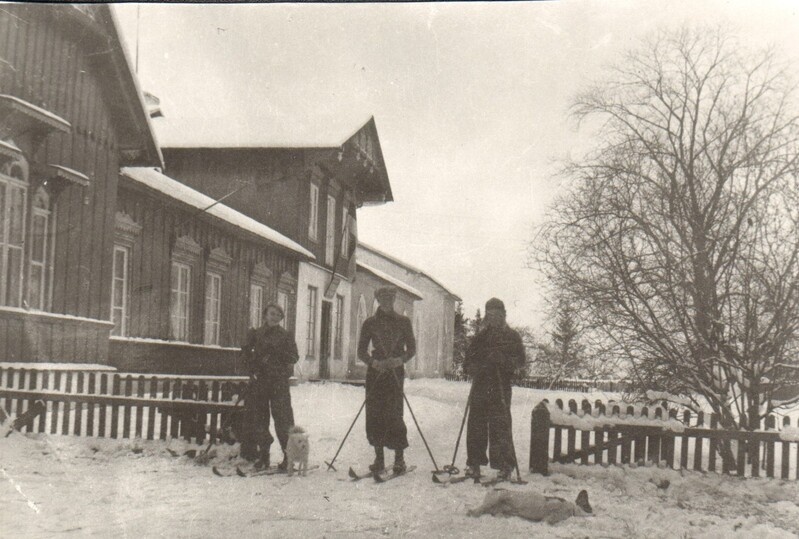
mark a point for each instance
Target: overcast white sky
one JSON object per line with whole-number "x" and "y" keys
{"x": 470, "y": 102}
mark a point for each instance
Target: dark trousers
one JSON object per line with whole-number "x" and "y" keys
{"x": 385, "y": 426}
{"x": 489, "y": 427}
{"x": 267, "y": 397}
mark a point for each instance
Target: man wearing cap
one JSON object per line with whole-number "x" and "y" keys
{"x": 270, "y": 353}
{"x": 495, "y": 353}
{"x": 392, "y": 344}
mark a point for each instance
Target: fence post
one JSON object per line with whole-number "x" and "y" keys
{"x": 539, "y": 439}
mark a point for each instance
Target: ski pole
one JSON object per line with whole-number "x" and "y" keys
{"x": 330, "y": 464}
{"x": 399, "y": 386}
{"x": 510, "y": 428}
{"x": 451, "y": 469}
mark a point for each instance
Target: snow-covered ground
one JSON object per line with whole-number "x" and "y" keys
{"x": 53, "y": 485}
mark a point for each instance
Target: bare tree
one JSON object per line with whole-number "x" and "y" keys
{"x": 679, "y": 236}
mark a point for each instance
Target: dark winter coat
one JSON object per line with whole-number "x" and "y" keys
{"x": 494, "y": 355}
{"x": 391, "y": 335}
{"x": 270, "y": 352}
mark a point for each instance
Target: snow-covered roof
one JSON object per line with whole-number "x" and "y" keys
{"x": 408, "y": 267}
{"x": 389, "y": 279}
{"x": 256, "y": 132}
{"x": 182, "y": 192}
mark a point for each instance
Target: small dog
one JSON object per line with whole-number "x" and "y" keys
{"x": 533, "y": 506}
{"x": 297, "y": 450}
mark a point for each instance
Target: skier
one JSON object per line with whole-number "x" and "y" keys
{"x": 270, "y": 354}
{"x": 393, "y": 343}
{"x": 493, "y": 356}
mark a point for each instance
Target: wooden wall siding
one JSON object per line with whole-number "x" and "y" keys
{"x": 133, "y": 356}
{"x": 51, "y": 66}
{"x": 25, "y": 337}
{"x": 282, "y": 204}
{"x": 150, "y": 285}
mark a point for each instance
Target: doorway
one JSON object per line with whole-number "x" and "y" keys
{"x": 324, "y": 344}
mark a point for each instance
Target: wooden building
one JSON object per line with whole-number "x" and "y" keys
{"x": 306, "y": 182}
{"x": 433, "y": 315}
{"x": 190, "y": 277}
{"x": 368, "y": 280}
{"x": 71, "y": 115}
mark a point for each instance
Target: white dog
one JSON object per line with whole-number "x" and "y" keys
{"x": 533, "y": 506}
{"x": 297, "y": 450}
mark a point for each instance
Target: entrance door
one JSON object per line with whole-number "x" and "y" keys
{"x": 324, "y": 345}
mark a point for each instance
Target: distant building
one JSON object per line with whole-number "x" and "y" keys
{"x": 433, "y": 315}
{"x": 307, "y": 182}
{"x": 367, "y": 281}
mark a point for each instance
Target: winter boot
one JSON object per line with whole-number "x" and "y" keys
{"x": 248, "y": 451}
{"x": 284, "y": 465}
{"x": 263, "y": 460}
{"x": 399, "y": 462}
{"x": 505, "y": 472}
{"x": 473, "y": 471}
{"x": 379, "y": 464}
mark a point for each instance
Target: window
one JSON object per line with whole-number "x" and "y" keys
{"x": 41, "y": 252}
{"x": 213, "y": 301}
{"x": 310, "y": 348}
{"x": 256, "y": 305}
{"x": 283, "y": 301}
{"x": 338, "y": 328}
{"x": 13, "y": 193}
{"x": 313, "y": 220}
{"x": 180, "y": 296}
{"x": 345, "y": 232}
{"x": 362, "y": 316}
{"x": 330, "y": 233}
{"x": 120, "y": 284}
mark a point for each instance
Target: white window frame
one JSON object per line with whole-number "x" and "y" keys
{"x": 120, "y": 329}
{"x": 313, "y": 213}
{"x": 180, "y": 313}
{"x": 283, "y": 301}
{"x": 8, "y": 184}
{"x": 256, "y": 305}
{"x": 330, "y": 231}
{"x": 45, "y": 281}
{"x": 313, "y": 307}
{"x": 213, "y": 308}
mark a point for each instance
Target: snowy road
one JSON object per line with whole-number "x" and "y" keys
{"x": 87, "y": 487}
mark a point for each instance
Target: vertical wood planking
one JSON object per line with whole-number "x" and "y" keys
{"x": 128, "y": 411}
{"x": 115, "y": 390}
{"x": 91, "y": 408}
{"x": 67, "y": 415}
{"x": 151, "y": 408}
{"x": 102, "y": 407}
{"x": 785, "y": 464}
{"x": 139, "y": 409}
{"x": 45, "y": 385}
{"x": 174, "y": 431}
{"x": 771, "y": 427}
{"x": 56, "y": 404}
{"x": 78, "y": 429}
{"x": 713, "y": 445}
{"x": 164, "y": 433}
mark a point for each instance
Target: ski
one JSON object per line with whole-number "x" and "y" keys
{"x": 27, "y": 417}
{"x": 381, "y": 478}
{"x": 455, "y": 480}
{"x": 275, "y": 471}
{"x": 239, "y": 472}
{"x": 355, "y": 476}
